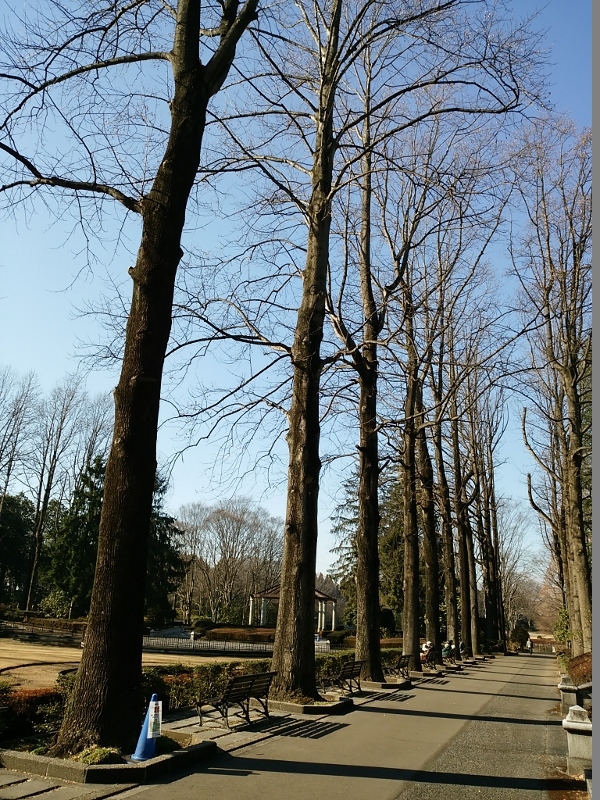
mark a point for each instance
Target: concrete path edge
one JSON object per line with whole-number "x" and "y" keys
{"x": 108, "y": 773}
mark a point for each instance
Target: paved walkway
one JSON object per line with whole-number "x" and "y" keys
{"x": 490, "y": 732}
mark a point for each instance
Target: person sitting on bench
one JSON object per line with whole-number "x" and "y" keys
{"x": 448, "y": 649}
{"x": 427, "y": 646}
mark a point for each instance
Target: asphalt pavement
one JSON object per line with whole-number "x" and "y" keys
{"x": 492, "y": 731}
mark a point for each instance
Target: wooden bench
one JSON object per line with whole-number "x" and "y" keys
{"x": 240, "y": 690}
{"x": 348, "y": 676}
{"x": 400, "y": 668}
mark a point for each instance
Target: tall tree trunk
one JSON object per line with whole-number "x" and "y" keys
{"x": 479, "y": 436}
{"x": 444, "y": 502}
{"x": 573, "y": 501}
{"x": 368, "y": 624}
{"x": 460, "y": 513}
{"x": 410, "y": 633}
{"x": 293, "y": 650}
{"x": 472, "y": 595}
{"x": 495, "y": 538}
{"x": 430, "y": 541}
{"x": 104, "y": 706}
{"x": 448, "y": 560}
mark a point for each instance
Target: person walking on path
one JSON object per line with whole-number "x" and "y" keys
{"x": 529, "y": 646}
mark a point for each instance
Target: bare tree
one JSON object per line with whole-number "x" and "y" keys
{"x": 58, "y": 424}
{"x": 191, "y": 525}
{"x": 519, "y": 586}
{"x": 78, "y": 65}
{"x": 553, "y": 263}
{"x": 18, "y": 401}
{"x": 308, "y": 149}
{"x": 231, "y": 550}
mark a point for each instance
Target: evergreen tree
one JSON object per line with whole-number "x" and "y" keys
{"x": 391, "y": 544}
{"x": 73, "y": 544}
{"x": 165, "y": 567}
{"x": 70, "y": 558}
{"x": 16, "y": 533}
{"x": 343, "y": 570}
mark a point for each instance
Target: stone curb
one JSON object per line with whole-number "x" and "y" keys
{"x": 128, "y": 774}
{"x": 394, "y": 685}
{"x": 341, "y": 706}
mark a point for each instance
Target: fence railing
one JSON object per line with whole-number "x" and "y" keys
{"x": 216, "y": 645}
{"x": 538, "y": 647}
{"x": 31, "y": 629}
{"x": 174, "y": 643}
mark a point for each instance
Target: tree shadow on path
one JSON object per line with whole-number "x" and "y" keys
{"x": 243, "y": 766}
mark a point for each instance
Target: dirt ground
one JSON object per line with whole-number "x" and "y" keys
{"x": 36, "y": 666}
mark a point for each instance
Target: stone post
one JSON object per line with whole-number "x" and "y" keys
{"x": 568, "y": 694}
{"x": 579, "y": 740}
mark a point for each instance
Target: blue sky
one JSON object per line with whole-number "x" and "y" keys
{"x": 42, "y": 282}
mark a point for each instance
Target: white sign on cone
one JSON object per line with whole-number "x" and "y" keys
{"x": 155, "y": 719}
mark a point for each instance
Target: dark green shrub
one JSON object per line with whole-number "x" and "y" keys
{"x": 251, "y": 667}
{"x": 70, "y": 626}
{"x": 11, "y": 614}
{"x": 65, "y": 682}
{"x": 178, "y": 685}
{"x": 328, "y": 665}
{"x": 389, "y": 656}
{"x": 32, "y": 711}
{"x": 153, "y": 682}
{"x": 206, "y": 624}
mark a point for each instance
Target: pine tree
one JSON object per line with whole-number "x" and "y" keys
{"x": 73, "y": 542}
{"x": 391, "y": 544}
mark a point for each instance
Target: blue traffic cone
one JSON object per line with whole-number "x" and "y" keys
{"x": 146, "y": 748}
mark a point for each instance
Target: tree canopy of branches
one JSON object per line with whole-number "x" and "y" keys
{"x": 97, "y": 74}
{"x": 553, "y": 260}
{"x": 230, "y": 551}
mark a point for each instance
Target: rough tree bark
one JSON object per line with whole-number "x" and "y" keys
{"x": 430, "y": 538}
{"x": 103, "y": 707}
{"x": 368, "y": 614}
{"x": 410, "y": 623}
{"x": 293, "y": 659}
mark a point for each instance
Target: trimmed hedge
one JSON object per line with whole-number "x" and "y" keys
{"x": 249, "y": 634}
{"x": 178, "y": 685}
{"x": 31, "y": 711}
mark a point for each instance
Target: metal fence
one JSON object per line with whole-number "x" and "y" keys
{"x": 34, "y": 632}
{"x": 215, "y": 645}
{"x": 205, "y": 645}
{"x": 31, "y": 631}
{"x": 538, "y": 647}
